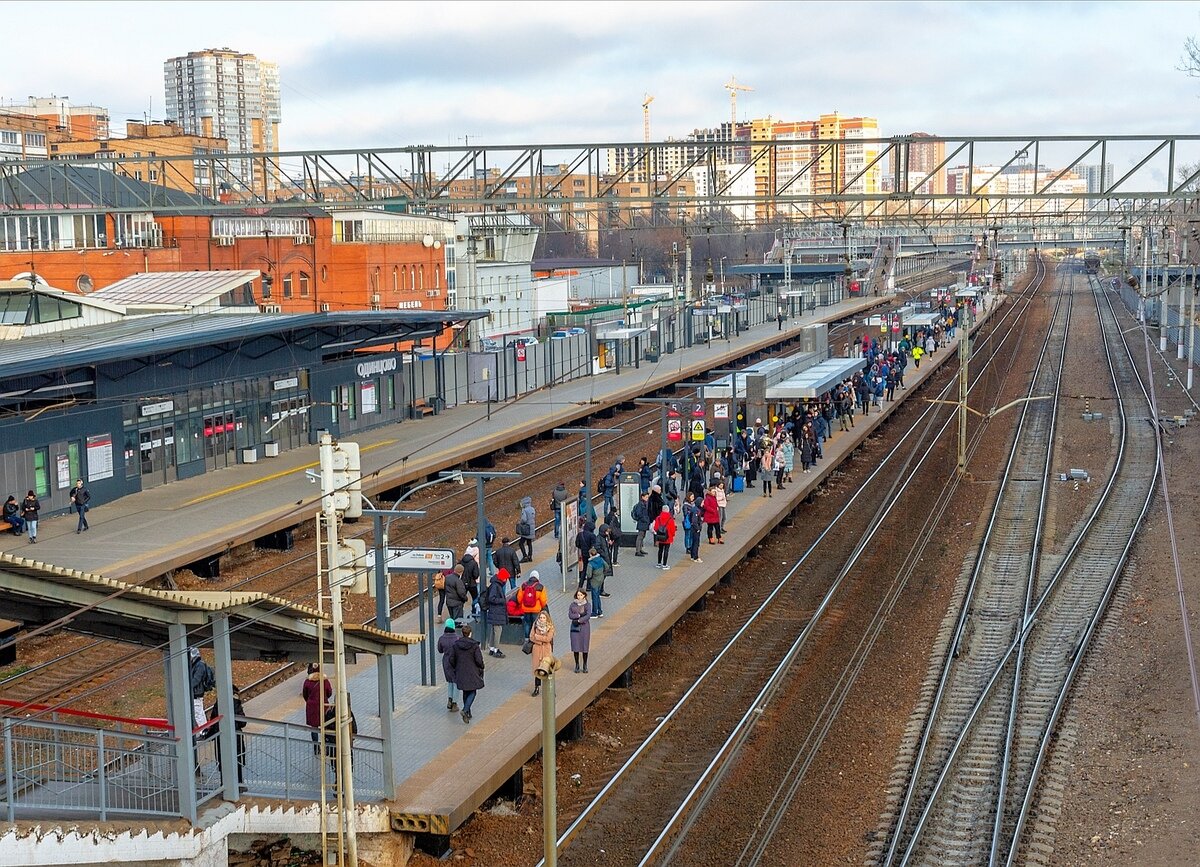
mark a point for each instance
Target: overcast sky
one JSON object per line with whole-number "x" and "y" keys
{"x": 392, "y": 74}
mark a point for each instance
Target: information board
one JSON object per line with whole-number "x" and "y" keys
{"x": 99, "y": 457}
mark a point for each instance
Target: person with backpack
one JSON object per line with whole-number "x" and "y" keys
{"x": 466, "y": 661}
{"x": 201, "y": 680}
{"x": 533, "y": 599}
{"x": 496, "y": 605}
{"x": 596, "y": 568}
{"x": 439, "y": 586}
{"x": 526, "y": 526}
{"x": 610, "y": 480}
{"x": 664, "y": 535}
{"x": 445, "y": 643}
{"x": 508, "y": 560}
{"x": 641, "y": 520}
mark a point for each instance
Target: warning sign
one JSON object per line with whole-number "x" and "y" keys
{"x": 520, "y": 353}
{"x": 674, "y": 430}
{"x": 720, "y": 410}
{"x": 698, "y": 431}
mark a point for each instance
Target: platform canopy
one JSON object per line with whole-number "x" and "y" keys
{"x": 262, "y": 627}
{"x": 922, "y": 320}
{"x": 816, "y": 380}
{"x": 774, "y": 369}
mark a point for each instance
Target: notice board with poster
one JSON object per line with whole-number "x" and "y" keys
{"x": 99, "y": 457}
{"x": 62, "y": 467}
{"x": 568, "y": 530}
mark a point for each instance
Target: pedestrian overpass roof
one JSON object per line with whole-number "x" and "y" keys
{"x": 262, "y": 627}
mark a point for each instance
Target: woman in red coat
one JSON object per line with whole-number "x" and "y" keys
{"x": 710, "y": 511}
{"x": 664, "y": 535}
{"x": 317, "y": 692}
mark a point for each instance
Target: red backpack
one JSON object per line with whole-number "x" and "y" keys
{"x": 529, "y": 596}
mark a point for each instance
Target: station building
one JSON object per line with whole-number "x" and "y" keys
{"x": 168, "y": 376}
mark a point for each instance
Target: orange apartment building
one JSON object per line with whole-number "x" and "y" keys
{"x": 152, "y": 140}
{"x": 63, "y": 120}
{"x": 311, "y": 259}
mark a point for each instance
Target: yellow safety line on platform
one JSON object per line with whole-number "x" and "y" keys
{"x": 279, "y": 475}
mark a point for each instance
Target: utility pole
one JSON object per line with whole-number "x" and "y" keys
{"x": 546, "y": 670}
{"x": 964, "y": 356}
{"x": 687, "y": 269}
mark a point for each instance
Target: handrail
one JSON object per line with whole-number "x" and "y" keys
{"x": 145, "y": 722}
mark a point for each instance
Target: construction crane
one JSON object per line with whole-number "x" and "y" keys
{"x": 646, "y": 118}
{"x": 733, "y": 87}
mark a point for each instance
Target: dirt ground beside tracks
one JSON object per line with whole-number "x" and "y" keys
{"x": 1133, "y": 789}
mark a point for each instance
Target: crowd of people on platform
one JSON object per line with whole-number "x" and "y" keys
{"x": 674, "y": 496}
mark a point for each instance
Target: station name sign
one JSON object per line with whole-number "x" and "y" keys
{"x": 370, "y": 368}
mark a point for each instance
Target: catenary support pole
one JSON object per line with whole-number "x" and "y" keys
{"x": 549, "y": 775}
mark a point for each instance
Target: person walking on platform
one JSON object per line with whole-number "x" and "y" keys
{"x": 496, "y": 604}
{"x": 532, "y": 599}
{"x": 317, "y": 693}
{"x": 916, "y": 356}
{"x": 711, "y": 513}
{"x": 557, "y": 497}
{"x": 80, "y": 497}
{"x": 595, "y": 581}
{"x": 12, "y": 514}
{"x": 580, "y": 614}
{"x": 466, "y": 661}
{"x": 29, "y": 511}
{"x": 506, "y": 558}
{"x": 542, "y": 637}
{"x": 664, "y": 535}
{"x": 526, "y": 527}
{"x": 641, "y": 519}
{"x": 445, "y": 644}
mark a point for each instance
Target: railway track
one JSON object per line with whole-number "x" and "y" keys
{"x": 77, "y": 674}
{"x": 973, "y": 783}
{"x": 697, "y": 741}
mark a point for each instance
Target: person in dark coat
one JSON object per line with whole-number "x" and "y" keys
{"x": 466, "y": 661}
{"x": 585, "y": 541}
{"x": 580, "y": 614}
{"x": 470, "y": 574}
{"x": 641, "y": 519}
{"x": 604, "y": 546}
{"x": 80, "y": 498}
{"x": 456, "y": 592}
{"x": 645, "y": 474}
{"x": 495, "y": 602}
{"x": 12, "y": 514}
{"x": 29, "y": 511}
{"x": 238, "y": 724}
{"x": 445, "y": 642}
{"x": 656, "y": 502}
{"x": 507, "y": 558}
{"x": 557, "y": 497}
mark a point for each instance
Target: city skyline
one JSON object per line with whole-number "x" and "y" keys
{"x": 380, "y": 75}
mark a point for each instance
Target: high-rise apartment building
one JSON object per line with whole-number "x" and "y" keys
{"x": 65, "y": 121}
{"x": 221, "y": 93}
{"x": 1099, "y": 178}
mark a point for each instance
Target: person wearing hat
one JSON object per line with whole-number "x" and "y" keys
{"x": 456, "y": 592}
{"x": 201, "y": 679}
{"x": 664, "y": 535}
{"x": 532, "y": 599}
{"x": 445, "y": 643}
{"x": 496, "y": 608}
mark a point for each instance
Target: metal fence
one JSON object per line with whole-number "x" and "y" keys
{"x": 56, "y": 768}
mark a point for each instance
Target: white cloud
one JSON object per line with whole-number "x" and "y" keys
{"x": 388, "y": 74}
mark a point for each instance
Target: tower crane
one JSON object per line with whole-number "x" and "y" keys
{"x": 733, "y": 87}
{"x": 646, "y": 117}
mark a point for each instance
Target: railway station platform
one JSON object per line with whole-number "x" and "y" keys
{"x": 146, "y": 535}
{"x": 445, "y": 769}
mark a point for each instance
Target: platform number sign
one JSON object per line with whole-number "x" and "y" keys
{"x": 698, "y": 409}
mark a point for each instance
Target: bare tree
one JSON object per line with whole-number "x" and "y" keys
{"x": 1190, "y": 62}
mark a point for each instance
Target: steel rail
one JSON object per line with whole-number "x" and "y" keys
{"x": 985, "y": 554}
{"x": 589, "y": 810}
{"x": 1044, "y": 597}
{"x": 1093, "y": 622}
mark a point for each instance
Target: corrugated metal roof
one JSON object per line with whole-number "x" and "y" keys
{"x": 249, "y": 607}
{"x": 180, "y": 288}
{"x": 137, "y": 336}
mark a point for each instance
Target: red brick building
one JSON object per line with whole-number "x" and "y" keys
{"x": 311, "y": 259}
